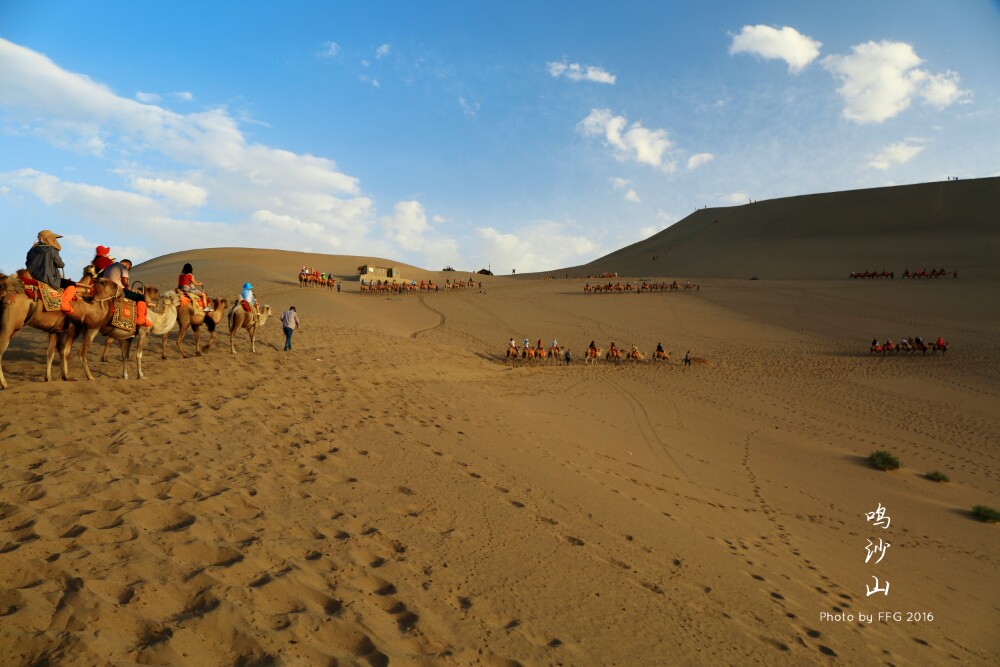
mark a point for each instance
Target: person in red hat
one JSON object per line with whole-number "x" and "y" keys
{"x": 102, "y": 259}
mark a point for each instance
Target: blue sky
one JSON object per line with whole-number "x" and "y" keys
{"x": 516, "y": 135}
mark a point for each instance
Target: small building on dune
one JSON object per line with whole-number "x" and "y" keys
{"x": 372, "y": 272}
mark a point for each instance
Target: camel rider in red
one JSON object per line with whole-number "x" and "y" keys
{"x": 102, "y": 259}
{"x": 118, "y": 274}
{"x": 45, "y": 265}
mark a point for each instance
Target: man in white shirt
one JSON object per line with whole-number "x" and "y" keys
{"x": 289, "y": 323}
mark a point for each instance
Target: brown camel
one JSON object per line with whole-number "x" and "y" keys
{"x": 191, "y": 315}
{"x": 18, "y": 310}
{"x": 593, "y": 354}
{"x": 512, "y": 355}
{"x": 162, "y": 314}
{"x": 661, "y": 355}
{"x": 241, "y": 319}
{"x": 95, "y": 317}
{"x": 635, "y": 355}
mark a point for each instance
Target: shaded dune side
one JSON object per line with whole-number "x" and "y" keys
{"x": 952, "y": 225}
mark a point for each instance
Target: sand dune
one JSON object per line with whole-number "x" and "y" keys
{"x": 953, "y": 224}
{"x": 389, "y": 492}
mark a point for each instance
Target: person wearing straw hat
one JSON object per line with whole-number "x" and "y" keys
{"x": 43, "y": 261}
{"x": 44, "y": 264}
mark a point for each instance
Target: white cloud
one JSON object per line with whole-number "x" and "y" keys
{"x": 154, "y": 98}
{"x": 785, "y": 43}
{"x": 250, "y": 185}
{"x": 631, "y": 196}
{"x": 898, "y": 153}
{"x": 408, "y": 227}
{"x": 629, "y": 142}
{"x": 520, "y": 249}
{"x": 328, "y": 49}
{"x": 469, "y": 108}
{"x": 699, "y": 159}
{"x": 181, "y": 192}
{"x": 880, "y": 79}
{"x": 577, "y": 72}
{"x": 740, "y": 197}
{"x": 646, "y": 232}
{"x": 382, "y": 51}
{"x": 619, "y": 183}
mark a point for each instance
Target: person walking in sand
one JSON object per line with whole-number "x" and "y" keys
{"x": 687, "y": 358}
{"x": 289, "y": 323}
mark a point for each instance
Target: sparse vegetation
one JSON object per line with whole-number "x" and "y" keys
{"x": 987, "y": 514}
{"x": 937, "y": 476}
{"x": 448, "y": 268}
{"x": 883, "y": 460}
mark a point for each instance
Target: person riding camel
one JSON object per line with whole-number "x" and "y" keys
{"x": 186, "y": 283}
{"x": 613, "y": 351}
{"x": 45, "y": 265}
{"x": 102, "y": 259}
{"x": 659, "y": 347}
{"x": 118, "y": 274}
{"x": 247, "y": 296}
{"x": 512, "y": 344}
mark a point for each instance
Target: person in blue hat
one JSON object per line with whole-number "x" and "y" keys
{"x": 247, "y": 295}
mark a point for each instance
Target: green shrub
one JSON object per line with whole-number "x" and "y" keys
{"x": 987, "y": 514}
{"x": 937, "y": 476}
{"x": 883, "y": 460}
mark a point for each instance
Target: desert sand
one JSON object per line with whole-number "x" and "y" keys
{"x": 390, "y": 492}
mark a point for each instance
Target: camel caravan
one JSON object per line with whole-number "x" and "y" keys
{"x": 639, "y": 287}
{"x": 910, "y": 345}
{"x": 397, "y": 287}
{"x": 104, "y": 302}
{"x": 539, "y": 355}
{"x": 394, "y": 286}
{"x": 314, "y": 278}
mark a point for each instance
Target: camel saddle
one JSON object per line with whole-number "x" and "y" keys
{"x": 49, "y": 296}
{"x": 123, "y": 313}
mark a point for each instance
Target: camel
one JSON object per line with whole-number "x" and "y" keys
{"x": 162, "y": 314}
{"x": 191, "y": 315}
{"x": 18, "y": 310}
{"x": 661, "y": 355}
{"x": 553, "y": 354}
{"x": 241, "y": 319}
{"x": 512, "y": 354}
{"x": 635, "y": 355}
{"x": 95, "y": 317}
{"x": 593, "y": 354}
{"x": 614, "y": 354}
